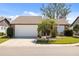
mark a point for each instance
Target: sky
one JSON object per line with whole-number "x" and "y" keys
{"x": 13, "y": 10}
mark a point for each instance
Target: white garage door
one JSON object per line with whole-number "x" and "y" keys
{"x": 60, "y": 29}
{"x": 26, "y": 30}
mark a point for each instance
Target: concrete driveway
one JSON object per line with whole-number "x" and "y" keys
{"x": 25, "y": 47}
{"x": 18, "y": 42}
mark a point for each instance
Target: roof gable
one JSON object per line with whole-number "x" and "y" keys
{"x": 4, "y": 22}
{"x": 76, "y": 21}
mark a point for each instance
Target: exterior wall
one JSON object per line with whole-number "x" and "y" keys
{"x": 26, "y": 30}
{"x": 60, "y": 29}
{"x": 3, "y": 29}
{"x": 3, "y": 26}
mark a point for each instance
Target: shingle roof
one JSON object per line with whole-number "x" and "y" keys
{"x": 2, "y": 18}
{"x": 62, "y": 22}
{"x": 75, "y": 21}
{"x": 35, "y": 20}
{"x": 4, "y": 21}
{"x": 27, "y": 20}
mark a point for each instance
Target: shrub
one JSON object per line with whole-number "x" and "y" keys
{"x": 10, "y": 32}
{"x": 53, "y": 35}
{"x": 68, "y": 32}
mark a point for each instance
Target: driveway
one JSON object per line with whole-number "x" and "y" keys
{"x": 25, "y": 47}
{"x": 18, "y": 42}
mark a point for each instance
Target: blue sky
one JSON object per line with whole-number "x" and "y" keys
{"x": 31, "y": 9}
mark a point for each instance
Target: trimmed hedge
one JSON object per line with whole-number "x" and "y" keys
{"x": 68, "y": 32}
{"x": 10, "y": 32}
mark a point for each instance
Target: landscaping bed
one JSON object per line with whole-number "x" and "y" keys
{"x": 62, "y": 40}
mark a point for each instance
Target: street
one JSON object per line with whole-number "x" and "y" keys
{"x": 40, "y": 51}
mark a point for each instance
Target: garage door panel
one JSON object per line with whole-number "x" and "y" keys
{"x": 26, "y": 30}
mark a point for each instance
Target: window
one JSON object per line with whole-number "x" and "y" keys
{"x": 2, "y": 28}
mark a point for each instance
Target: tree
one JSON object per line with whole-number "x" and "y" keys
{"x": 65, "y": 12}
{"x": 10, "y": 32}
{"x": 55, "y": 10}
{"x": 53, "y": 28}
{"x": 46, "y": 27}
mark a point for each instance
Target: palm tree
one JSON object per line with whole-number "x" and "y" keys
{"x": 46, "y": 27}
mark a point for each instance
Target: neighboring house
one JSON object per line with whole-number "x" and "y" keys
{"x": 75, "y": 22}
{"x": 26, "y": 26}
{"x": 4, "y": 24}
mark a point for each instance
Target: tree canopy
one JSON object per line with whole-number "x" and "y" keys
{"x": 55, "y": 10}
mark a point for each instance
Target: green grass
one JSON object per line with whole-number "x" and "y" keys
{"x": 62, "y": 40}
{"x": 3, "y": 39}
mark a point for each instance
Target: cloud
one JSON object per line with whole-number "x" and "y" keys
{"x": 25, "y": 13}
{"x": 30, "y": 13}
{"x": 13, "y": 17}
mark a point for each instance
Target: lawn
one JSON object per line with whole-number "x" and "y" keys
{"x": 62, "y": 40}
{"x": 3, "y": 39}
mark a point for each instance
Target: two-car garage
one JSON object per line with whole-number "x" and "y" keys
{"x": 26, "y": 30}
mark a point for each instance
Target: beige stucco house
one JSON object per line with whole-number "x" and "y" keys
{"x": 26, "y": 26}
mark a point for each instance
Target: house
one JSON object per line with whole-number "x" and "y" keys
{"x": 4, "y": 24}
{"x": 26, "y": 26}
{"x": 75, "y": 22}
